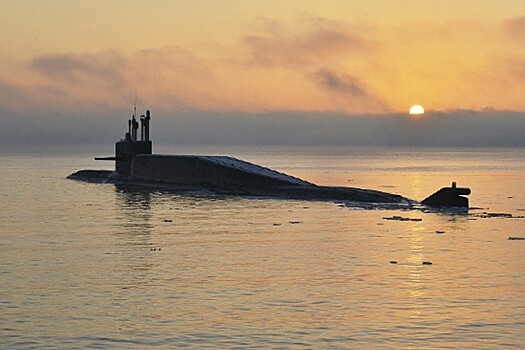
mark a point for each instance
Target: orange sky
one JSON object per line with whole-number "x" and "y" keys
{"x": 260, "y": 56}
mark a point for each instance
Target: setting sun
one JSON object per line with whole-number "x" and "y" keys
{"x": 417, "y": 109}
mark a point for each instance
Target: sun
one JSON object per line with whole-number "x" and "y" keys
{"x": 417, "y": 109}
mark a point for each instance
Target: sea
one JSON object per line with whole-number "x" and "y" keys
{"x": 90, "y": 266}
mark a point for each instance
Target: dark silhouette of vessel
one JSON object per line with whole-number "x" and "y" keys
{"x": 135, "y": 164}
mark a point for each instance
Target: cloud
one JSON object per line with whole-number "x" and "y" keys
{"x": 318, "y": 41}
{"x": 165, "y": 77}
{"x": 313, "y": 64}
{"x": 516, "y": 68}
{"x": 515, "y": 29}
{"x": 106, "y": 67}
{"x": 348, "y": 90}
{"x": 29, "y": 97}
{"x": 176, "y": 78}
{"x": 344, "y": 84}
{"x": 330, "y": 58}
{"x": 88, "y": 79}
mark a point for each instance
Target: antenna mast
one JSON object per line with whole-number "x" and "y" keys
{"x": 135, "y": 105}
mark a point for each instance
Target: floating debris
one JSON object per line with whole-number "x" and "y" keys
{"x": 400, "y": 218}
{"x": 487, "y": 215}
{"x": 427, "y": 262}
{"x": 167, "y": 220}
{"x": 155, "y": 249}
{"x": 516, "y": 238}
{"x": 295, "y": 222}
{"x": 497, "y": 215}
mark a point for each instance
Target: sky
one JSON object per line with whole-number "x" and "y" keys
{"x": 217, "y": 67}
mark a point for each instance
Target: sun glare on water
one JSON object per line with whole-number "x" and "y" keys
{"x": 417, "y": 109}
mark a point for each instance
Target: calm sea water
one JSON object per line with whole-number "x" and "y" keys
{"x": 99, "y": 266}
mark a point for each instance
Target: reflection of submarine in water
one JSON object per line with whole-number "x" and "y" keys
{"x": 136, "y": 165}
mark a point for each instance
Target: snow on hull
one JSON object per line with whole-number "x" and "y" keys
{"x": 254, "y": 169}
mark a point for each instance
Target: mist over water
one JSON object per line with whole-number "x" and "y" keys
{"x": 87, "y": 265}
{"x": 461, "y": 128}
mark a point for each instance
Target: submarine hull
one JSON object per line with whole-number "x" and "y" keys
{"x": 228, "y": 175}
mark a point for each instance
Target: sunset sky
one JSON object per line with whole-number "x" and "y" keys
{"x": 335, "y": 56}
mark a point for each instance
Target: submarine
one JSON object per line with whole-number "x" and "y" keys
{"x": 135, "y": 164}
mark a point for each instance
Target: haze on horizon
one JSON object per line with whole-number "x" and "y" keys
{"x": 265, "y": 72}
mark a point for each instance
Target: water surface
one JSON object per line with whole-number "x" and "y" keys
{"x": 85, "y": 265}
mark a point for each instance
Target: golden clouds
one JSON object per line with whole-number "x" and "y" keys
{"x": 318, "y": 41}
{"x": 310, "y": 64}
{"x": 325, "y": 58}
{"x": 514, "y": 60}
{"x": 515, "y": 29}
{"x": 170, "y": 77}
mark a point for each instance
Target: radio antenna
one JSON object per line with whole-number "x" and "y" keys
{"x": 135, "y": 105}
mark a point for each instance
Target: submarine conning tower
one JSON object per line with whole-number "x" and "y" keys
{"x": 129, "y": 147}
